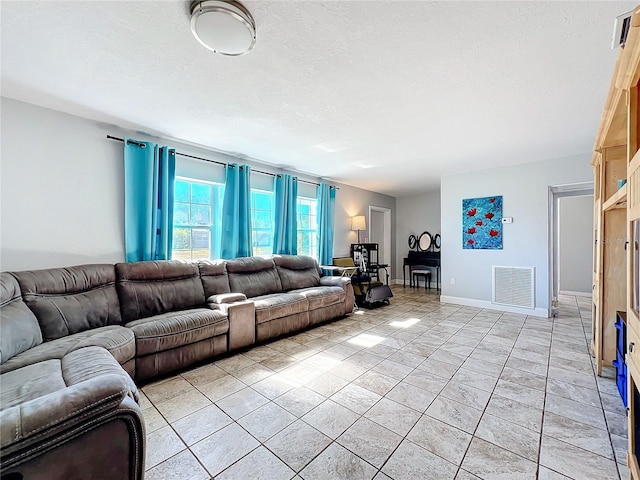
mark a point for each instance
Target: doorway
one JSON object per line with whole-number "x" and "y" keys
{"x": 575, "y": 245}
{"x": 380, "y": 233}
{"x": 569, "y": 211}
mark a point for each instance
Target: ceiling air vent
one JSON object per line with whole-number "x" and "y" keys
{"x": 621, "y": 30}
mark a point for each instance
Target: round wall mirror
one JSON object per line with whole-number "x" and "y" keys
{"x": 424, "y": 242}
{"x": 412, "y": 241}
{"x": 436, "y": 241}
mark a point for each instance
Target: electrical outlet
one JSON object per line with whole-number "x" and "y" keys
{"x": 453, "y": 281}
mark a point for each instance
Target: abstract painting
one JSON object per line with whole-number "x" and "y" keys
{"x": 482, "y": 223}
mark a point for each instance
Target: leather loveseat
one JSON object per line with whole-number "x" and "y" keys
{"x": 73, "y": 339}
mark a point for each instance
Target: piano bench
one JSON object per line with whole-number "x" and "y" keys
{"x": 426, "y": 274}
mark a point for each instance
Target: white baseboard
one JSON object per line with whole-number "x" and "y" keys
{"x": 470, "y": 302}
{"x": 398, "y": 281}
{"x": 575, "y": 294}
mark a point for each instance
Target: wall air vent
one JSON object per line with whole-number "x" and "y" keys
{"x": 621, "y": 30}
{"x": 514, "y": 286}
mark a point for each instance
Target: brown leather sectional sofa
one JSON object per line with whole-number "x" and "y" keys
{"x": 73, "y": 339}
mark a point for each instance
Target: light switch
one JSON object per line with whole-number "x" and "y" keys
{"x": 507, "y": 219}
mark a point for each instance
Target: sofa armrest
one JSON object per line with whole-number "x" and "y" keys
{"x": 347, "y": 286}
{"x": 61, "y": 410}
{"x": 226, "y": 298}
{"x": 335, "y": 282}
{"x": 242, "y": 323}
{"x": 107, "y": 443}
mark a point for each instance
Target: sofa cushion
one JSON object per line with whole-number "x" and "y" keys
{"x": 269, "y": 307}
{"x": 42, "y": 378}
{"x": 214, "y": 277}
{"x": 29, "y": 382}
{"x": 18, "y": 324}
{"x": 253, "y": 276}
{"x": 118, "y": 341}
{"x": 153, "y": 288}
{"x": 320, "y": 297}
{"x": 70, "y": 300}
{"x": 41, "y": 402}
{"x": 297, "y": 271}
{"x": 175, "y": 329}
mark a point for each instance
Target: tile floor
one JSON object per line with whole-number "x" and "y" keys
{"x": 413, "y": 390}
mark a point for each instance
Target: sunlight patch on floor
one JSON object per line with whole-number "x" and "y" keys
{"x": 298, "y": 375}
{"x": 406, "y": 323}
{"x": 366, "y": 340}
{"x": 322, "y": 362}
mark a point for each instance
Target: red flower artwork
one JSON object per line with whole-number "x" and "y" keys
{"x": 481, "y": 223}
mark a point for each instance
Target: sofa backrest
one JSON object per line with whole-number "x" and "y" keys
{"x": 18, "y": 324}
{"x": 214, "y": 277}
{"x": 297, "y": 271}
{"x": 151, "y": 288}
{"x": 72, "y": 299}
{"x": 253, "y": 276}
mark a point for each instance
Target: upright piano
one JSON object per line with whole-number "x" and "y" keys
{"x": 429, "y": 259}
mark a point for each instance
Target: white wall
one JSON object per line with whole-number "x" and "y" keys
{"x": 62, "y": 189}
{"x": 415, "y": 214}
{"x": 575, "y": 255}
{"x": 525, "y": 191}
{"x": 62, "y": 193}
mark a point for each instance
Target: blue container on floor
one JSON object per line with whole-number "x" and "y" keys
{"x": 621, "y": 350}
{"x": 621, "y": 377}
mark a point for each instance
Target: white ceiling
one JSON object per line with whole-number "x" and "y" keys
{"x": 384, "y": 95}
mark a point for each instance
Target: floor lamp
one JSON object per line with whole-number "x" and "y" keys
{"x": 358, "y": 223}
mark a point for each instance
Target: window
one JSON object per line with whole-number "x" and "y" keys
{"x": 197, "y": 217}
{"x": 262, "y": 215}
{"x": 197, "y": 221}
{"x": 307, "y": 209}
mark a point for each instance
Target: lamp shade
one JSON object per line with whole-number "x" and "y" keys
{"x": 358, "y": 223}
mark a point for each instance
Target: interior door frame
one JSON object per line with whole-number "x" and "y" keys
{"x": 555, "y": 194}
{"x": 387, "y": 259}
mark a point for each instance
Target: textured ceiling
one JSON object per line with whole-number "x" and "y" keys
{"x": 383, "y": 95}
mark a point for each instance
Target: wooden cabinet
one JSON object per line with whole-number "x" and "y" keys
{"x": 617, "y": 226}
{"x": 611, "y": 261}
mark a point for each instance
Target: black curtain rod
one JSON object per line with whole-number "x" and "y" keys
{"x": 140, "y": 144}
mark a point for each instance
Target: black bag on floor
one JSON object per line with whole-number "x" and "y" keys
{"x": 381, "y": 293}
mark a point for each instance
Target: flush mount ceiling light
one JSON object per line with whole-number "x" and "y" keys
{"x": 223, "y": 26}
